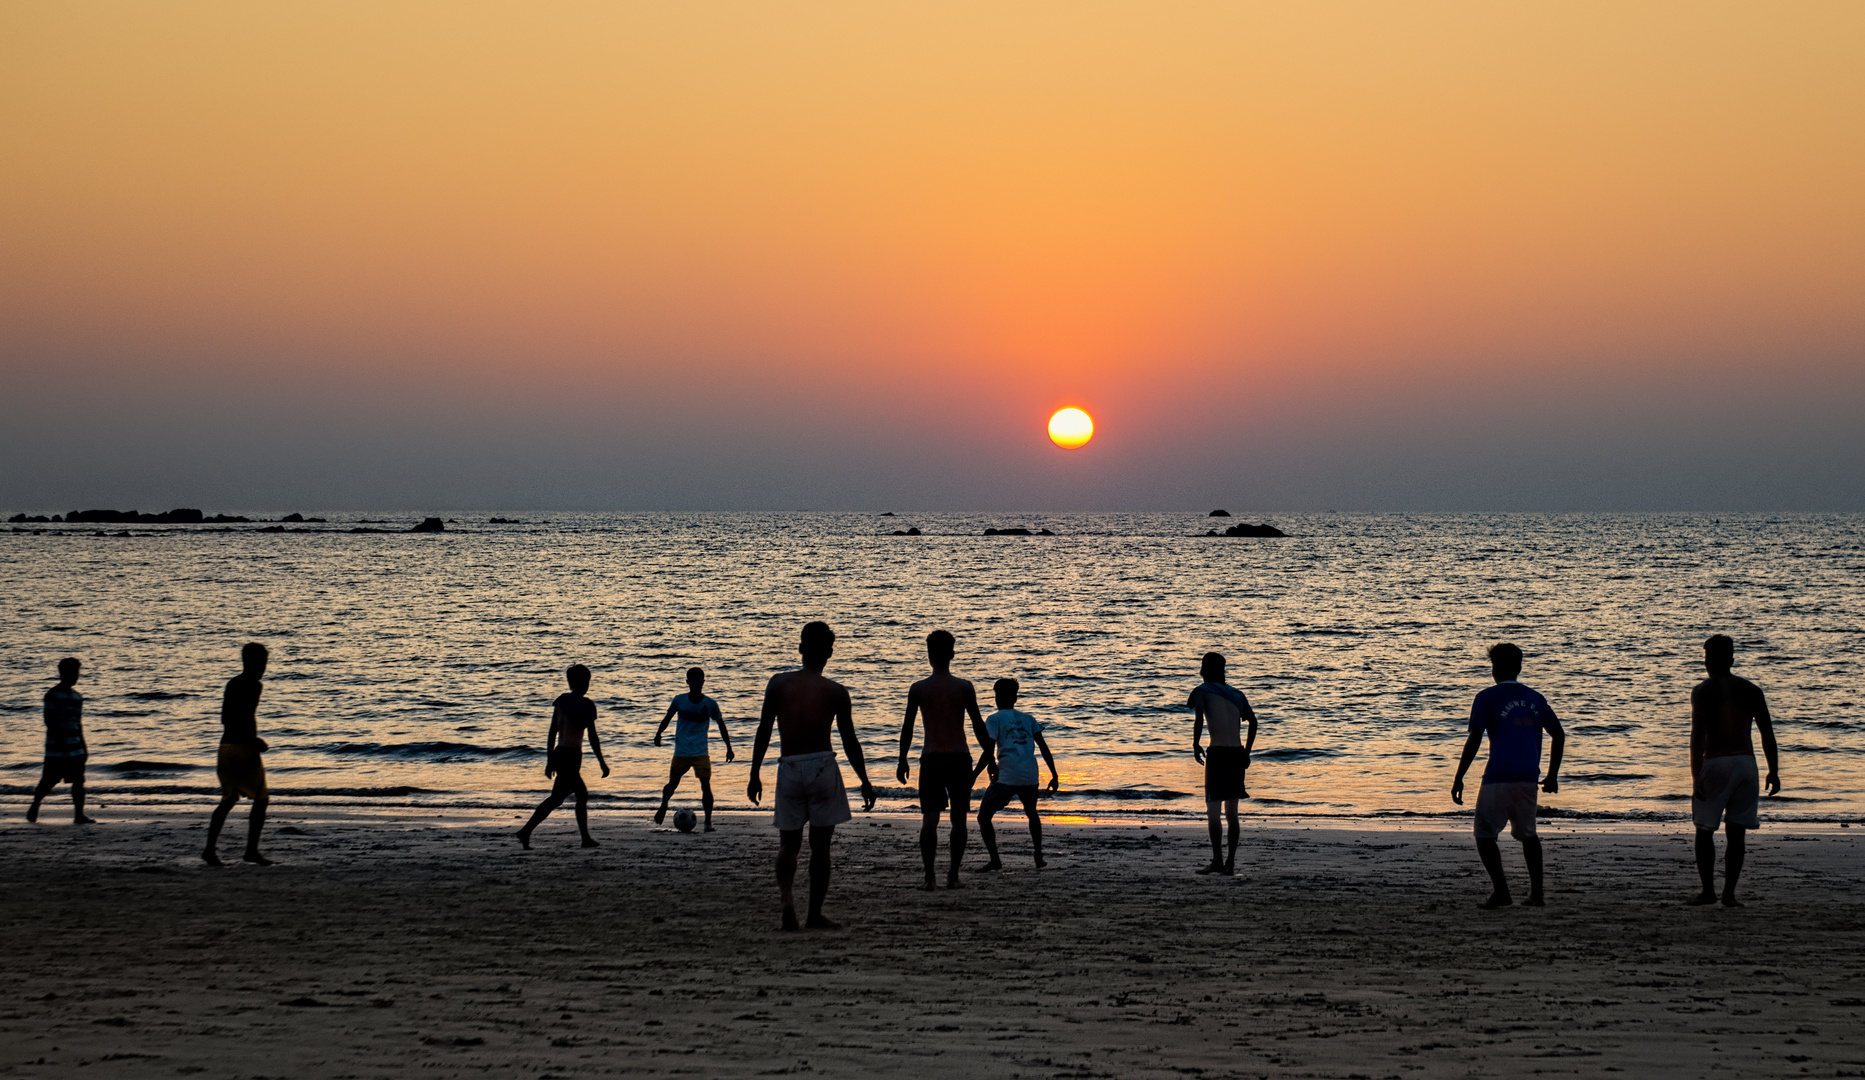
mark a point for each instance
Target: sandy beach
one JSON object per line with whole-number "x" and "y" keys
{"x": 437, "y": 947}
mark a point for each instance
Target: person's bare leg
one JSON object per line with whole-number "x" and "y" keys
{"x": 673, "y": 785}
{"x": 987, "y": 831}
{"x": 1036, "y": 828}
{"x": 705, "y": 799}
{"x": 1216, "y": 865}
{"x": 551, "y": 802}
{"x": 211, "y": 853}
{"x": 1531, "y": 853}
{"x": 789, "y": 842}
{"x": 929, "y": 839}
{"x": 582, "y": 816}
{"x": 820, "y": 837}
{"x": 1732, "y": 863}
{"x": 77, "y": 806}
{"x": 1492, "y": 861}
{"x": 254, "y": 823}
{"x": 38, "y": 795}
{"x": 1230, "y": 859}
{"x": 1706, "y": 868}
{"x": 961, "y": 809}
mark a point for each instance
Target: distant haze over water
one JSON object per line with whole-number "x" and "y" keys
{"x": 419, "y": 669}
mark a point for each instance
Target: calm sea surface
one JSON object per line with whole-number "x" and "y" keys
{"x": 418, "y": 670}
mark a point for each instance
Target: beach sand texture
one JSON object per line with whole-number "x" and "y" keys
{"x": 437, "y": 948}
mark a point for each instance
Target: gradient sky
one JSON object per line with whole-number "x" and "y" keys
{"x": 851, "y": 255}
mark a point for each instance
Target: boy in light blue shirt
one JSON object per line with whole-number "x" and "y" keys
{"x": 1018, "y": 736}
{"x": 696, "y": 712}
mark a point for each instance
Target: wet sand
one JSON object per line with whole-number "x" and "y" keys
{"x": 436, "y": 947}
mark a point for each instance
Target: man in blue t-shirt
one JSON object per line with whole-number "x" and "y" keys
{"x": 1514, "y": 718}
{"x": 696, "y": 711}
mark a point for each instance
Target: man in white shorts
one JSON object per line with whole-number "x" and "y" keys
{"x": 803, "y": 705}
{"x": 1724, "y": 783}
{"x": 1514, "y": 717}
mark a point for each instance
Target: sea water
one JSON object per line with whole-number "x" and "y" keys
{"x": 418, "y": 669}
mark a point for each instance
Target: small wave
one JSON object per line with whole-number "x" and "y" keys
{"x": 436, "y": 751}
{"x": 1292, "y": 753}
{"x": 155, "y": 695}
{"x": 1136, "y": 794}
{"x": 150, "y": 766}
{"x": 1607, "y": 777}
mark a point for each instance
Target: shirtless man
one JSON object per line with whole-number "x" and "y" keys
{"x": 1227, "y": 762}
{"x": 65, "y": 751}
{"x": 1723, "y": 781}
{"x": 572, "y": 715}
{"x": 240, "y": 764}
{"x": 804, "y": 705}
{"x": 945, "y": 762}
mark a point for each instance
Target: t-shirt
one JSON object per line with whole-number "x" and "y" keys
{"x": 692, "y": 720}
{"x": 1015, "y": 733}
{"x": 1226, "y": 711}
{"x": 64, "y": 722}
{"x": 1515, "y": 717}
{"x": 239, "y": 708}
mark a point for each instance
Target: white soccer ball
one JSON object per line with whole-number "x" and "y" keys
{"x": 684, "y": 820}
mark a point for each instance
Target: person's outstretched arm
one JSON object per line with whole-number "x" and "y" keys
{"x": 1055, "y": 780}
{"x": 845, "y": 722}
{"x": 986, "y": 744}
{"x": 767, "y": 718}
{"x": 1557, "y": 745}
{"x": 1765, "y": 722}
{"x": 724, "y": 735}
{"x": 1471, "y": 745}
{"x": 906, "y": 732}
{"x": 595, "y": 746}
{"x": 664, "y": 721}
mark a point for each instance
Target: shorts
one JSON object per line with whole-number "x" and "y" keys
{"x": 64, "y": 768}
{"x": 701, "y": 764}
{"x": 998, "y": 796}
{"x": 568, "y": 765}
{"x": 1510, "y": 803}
{"x": 242, "y": 771}
{"x": 1224, "y": 769}
{"x": 1731, "y": 791}
{"x": 810, "y": 792}
{"x": 945, "y": 780}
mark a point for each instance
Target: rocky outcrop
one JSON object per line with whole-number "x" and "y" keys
{"x": 1264, "y": 529}
{"x": 914, "y": 531}
{"x": 1218, "y": 513}
{"x": 1017, "y": 532}
{"x": 170, "y": 517}
{"x": 429, "y": 525}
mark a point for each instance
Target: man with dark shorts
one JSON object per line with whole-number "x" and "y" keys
{"x": 240, "y": 763}
{"x": 803, "y": 706}
{"x": 572, "y": 716}
{"x": 1226, "y": 710}
{"x": 945, "y": 762}
{"x": 65, "y": 751}
{"x": 1723, "y": 779}
{"x": 1514, "y": 717}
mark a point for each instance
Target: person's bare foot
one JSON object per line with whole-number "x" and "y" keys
{"x": 211, "y": 858}
{"x": 524, "y": 839}
{"x": 32, "y": 812}
{"x": 1041, "y": 862}
{"x": 1536, "y": 900}
{"x": 590, "y": 841}
{"x": 994, "y": 864}
{"x": 790, "y": 919}
{"x": 709, "y": 826}
{"x": 256, "y": 859}
{"x": 952, "y": 882}
{"x": 1729, "y": 900}
{"x": 661, "y": 814}
{"x": 82, "y": 820}
{"x": 1701, "y": 899}
{"x": 819, "y": 922}
{"x": 1497, "y": 900}
{"x": 930, "y": 886}
{"x": 1212, "y": 867}
{"x": 1230, "y": 869}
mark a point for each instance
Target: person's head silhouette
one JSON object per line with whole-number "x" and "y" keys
{"x": 1505, "y": 661}
{"x": 817, "y": 645}
{"x": 1212, "y": 669}
{"x": 940, "y": 648}
{"x": 1719, "y": 654}
{"x": 578, "y": 677}
{"x": 254, "y": 658}
{"x": 1006, "y": 691}
{"x": 695, "y": 679}
{"x": 68, "y": 669}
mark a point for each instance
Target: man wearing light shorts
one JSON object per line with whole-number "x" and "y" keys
{"x": 1725, "y": 786}
{"x": 1514, "y": 717}
{"x": 803, "y": 705}
{"x": 696, "y": 711}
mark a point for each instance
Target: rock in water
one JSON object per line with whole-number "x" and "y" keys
{"x": 1254, "y": 530}
{"x": 430, "y": 525}
{"x": 1218, "y": 513}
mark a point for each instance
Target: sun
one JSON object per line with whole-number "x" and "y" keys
{"x": 1070, "y": 428}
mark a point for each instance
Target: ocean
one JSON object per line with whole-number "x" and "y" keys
{"x": 417, "y": 670}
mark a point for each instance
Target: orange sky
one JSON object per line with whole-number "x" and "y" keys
{"x": 1001, "y": 208}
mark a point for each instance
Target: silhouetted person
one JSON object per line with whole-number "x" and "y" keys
{"x": 1723, "y": 780}
{"x": 572, "y": 716}
{"x": 803, "y": 705}
{"x": 241, "y": 765}
{"x": 1225, "y": 710}
{"x": 65, "y": 752}
{"x": 1015, "y": 736}
{"x": 945, "y": 761}
{"x": 1514, "y": 717}
{"x": 696, "y": 712}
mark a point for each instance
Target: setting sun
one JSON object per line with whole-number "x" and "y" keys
{"x": 1070, "y": 428}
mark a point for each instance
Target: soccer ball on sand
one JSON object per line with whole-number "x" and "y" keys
{"x": 684, "y": 820}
